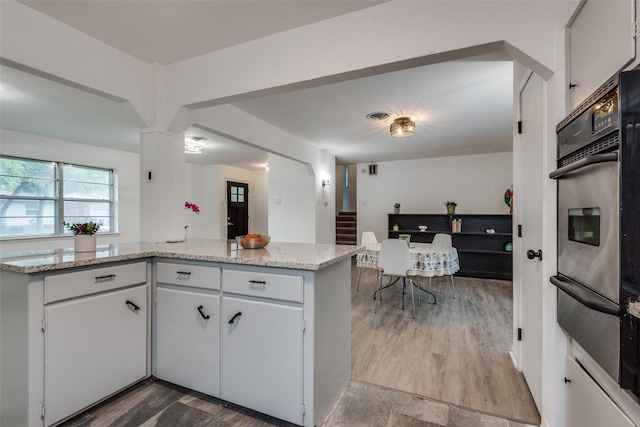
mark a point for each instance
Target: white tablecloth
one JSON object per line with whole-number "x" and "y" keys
{"x": 428, "y": 260}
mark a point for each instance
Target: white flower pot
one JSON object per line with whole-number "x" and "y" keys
{"x": 84, "y": 242}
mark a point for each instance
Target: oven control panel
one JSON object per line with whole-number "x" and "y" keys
{"x": 605, "y": 114}
{"x": 597, "y": 125}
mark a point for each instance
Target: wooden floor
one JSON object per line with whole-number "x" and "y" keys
{"x": 455, "y": 351}
{"x": 448, "y": 368}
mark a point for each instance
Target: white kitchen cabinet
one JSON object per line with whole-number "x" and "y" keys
{"x": 262, "y": 357}
{"x": 286, "y": 339}
{"x": 94, "y": 346}
{"x": 187, "y": 327}
{"x": 587, "y": 405}
{"x": 61, "y": 339}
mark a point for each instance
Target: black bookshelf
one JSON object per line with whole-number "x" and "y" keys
{"x": 481, "y": 254}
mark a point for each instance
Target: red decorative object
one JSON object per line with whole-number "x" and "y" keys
{"x": 508, "y": 199}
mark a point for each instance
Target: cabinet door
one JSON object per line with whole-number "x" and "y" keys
{"x": 586, "y": 404}
{"x": 94, "y": 346}
{"x": 187, "y": 344}
{"x": 262, "y": 357}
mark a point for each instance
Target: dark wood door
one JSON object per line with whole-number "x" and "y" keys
{"x": 237, "y": 209}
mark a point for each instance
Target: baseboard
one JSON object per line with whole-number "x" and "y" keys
{"x": 514, "y": 360}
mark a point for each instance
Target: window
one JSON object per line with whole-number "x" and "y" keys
{"x": 37, "y": 196}
{"x": 237, "y": 194}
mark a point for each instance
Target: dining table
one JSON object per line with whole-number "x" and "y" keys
{"x": 428, "y": 260}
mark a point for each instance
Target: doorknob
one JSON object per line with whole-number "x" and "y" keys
{"x": 531, "y": 254}
{"x": 229, "y": 223}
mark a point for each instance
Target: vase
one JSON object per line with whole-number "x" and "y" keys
{"x": 451, "y": 210}
{"x": 84, "y": 242}
{"x": 396, "y": 211}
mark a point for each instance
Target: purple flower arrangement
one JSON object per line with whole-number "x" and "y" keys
{"x": 192, "y": 206}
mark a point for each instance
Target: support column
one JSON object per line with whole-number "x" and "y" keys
{"x": 162, "y": 186}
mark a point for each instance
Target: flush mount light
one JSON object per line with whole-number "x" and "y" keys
{"x": 402, "y": 126}
{"x": 194, "y": 144}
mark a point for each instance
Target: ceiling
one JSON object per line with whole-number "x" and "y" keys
{"x": 460, "y": 107}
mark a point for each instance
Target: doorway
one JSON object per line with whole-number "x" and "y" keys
{"x": 237, "y": 209}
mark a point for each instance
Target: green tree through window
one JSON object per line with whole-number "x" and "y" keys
{"x": 36, "y": 196}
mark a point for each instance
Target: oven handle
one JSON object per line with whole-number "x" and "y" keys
{"x": 590, "y": 160}
{"x": 585, "y": 296}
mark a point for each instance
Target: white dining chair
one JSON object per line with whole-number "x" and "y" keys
{"x": 368, "y": 237}
{"x": 442, "y": 239}
{"x": 394, "y": 260}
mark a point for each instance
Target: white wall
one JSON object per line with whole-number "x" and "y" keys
{"x": 291, "y": 201}
{"x": 126, "y": 165}
{"x": 229, "y": 120}
{"x": 207, "y": 187}
{"x": 477, "y": 183}
{"x": 325, "y": 221}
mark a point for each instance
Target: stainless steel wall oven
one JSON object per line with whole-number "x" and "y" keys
{"x": 599, "y": 226}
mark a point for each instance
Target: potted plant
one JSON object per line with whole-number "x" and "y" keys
{"x": 396, "y": 208}
{"x": 451, "y": 206}
{"x": 84, "y": 235}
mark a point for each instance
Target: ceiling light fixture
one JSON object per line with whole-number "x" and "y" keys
{"x": 194, "y": 144}
{"x": 402, "y": 126}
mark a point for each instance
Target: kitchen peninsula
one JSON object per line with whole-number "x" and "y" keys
{"x": 267, "y": 328}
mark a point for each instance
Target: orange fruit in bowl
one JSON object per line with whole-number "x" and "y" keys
{"x": 253, "y": 241}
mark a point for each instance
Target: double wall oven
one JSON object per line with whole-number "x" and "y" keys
{"x": 598, "y": 179}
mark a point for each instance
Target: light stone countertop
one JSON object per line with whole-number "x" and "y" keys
{"x": 298, "y": 256}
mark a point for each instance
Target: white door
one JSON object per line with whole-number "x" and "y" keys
{"x": 528, "y": 208}
{"x": 262, "y": 357}
{"x": 94, "y": 346}
{"x": 188, "y": 339}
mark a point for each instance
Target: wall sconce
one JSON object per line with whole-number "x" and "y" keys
{"x": 325, "y": 182}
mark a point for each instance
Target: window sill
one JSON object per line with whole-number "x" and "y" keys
{"x": 43, "y": 238}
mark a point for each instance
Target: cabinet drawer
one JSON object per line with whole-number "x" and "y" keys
{"x": 263, "y": 285}
{"x": 197, "y": 276}
{"x": 86, "y": 282}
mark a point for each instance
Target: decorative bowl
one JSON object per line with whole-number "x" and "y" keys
{"x": 253, "y": 242}
{"x": 422, "y": 228}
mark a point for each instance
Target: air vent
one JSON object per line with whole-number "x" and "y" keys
{"x": 377, "y": 116}
{"x": 599, "y": 146}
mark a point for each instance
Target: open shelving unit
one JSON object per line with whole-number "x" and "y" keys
{"x": 481, "y": 254}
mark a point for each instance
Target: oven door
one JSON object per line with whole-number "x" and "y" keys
{"x": 588, "y": 223}
{"x": 592, "y": 321}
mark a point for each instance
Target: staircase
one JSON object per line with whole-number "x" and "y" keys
{"x": 346, "y": 228}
